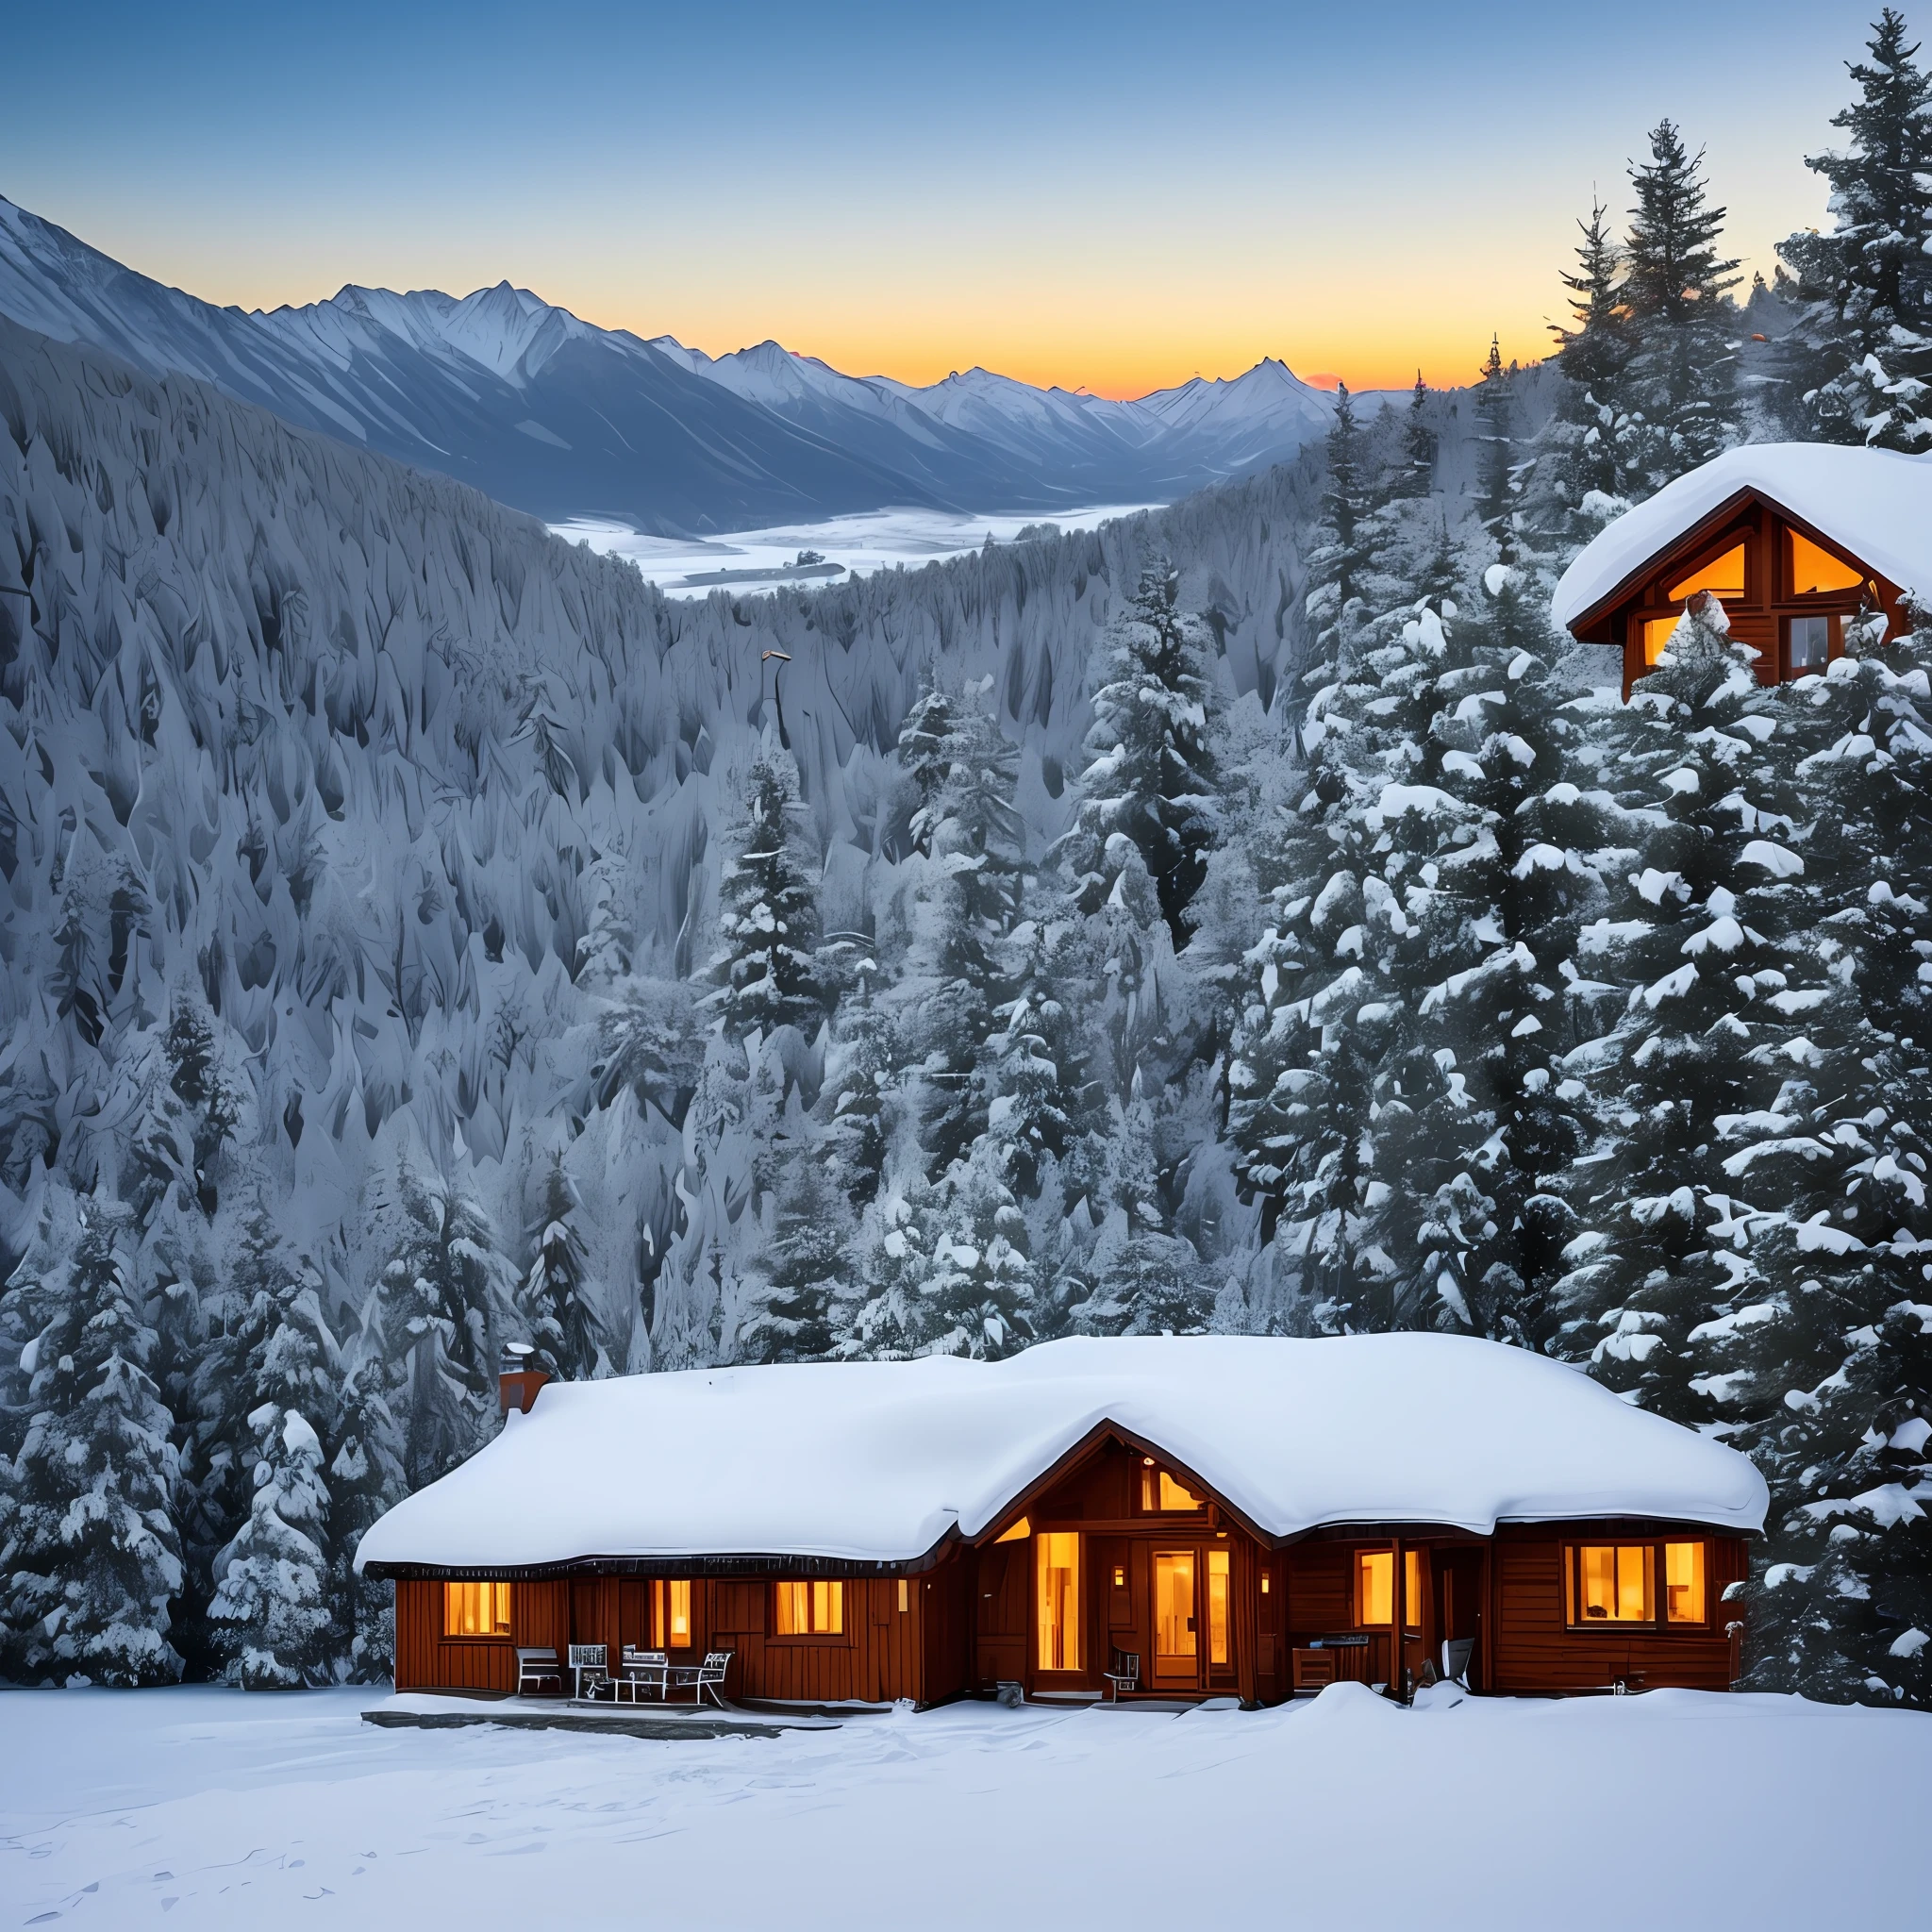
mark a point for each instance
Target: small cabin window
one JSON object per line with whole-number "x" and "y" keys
{"x": 1808, "y": 645}
{"x": 1656, "y": 635}
{"x": 1217, "y": 1606}
{"x": 1612, "y": 1583}
{"x": 1017, "y": 1534}
{"x": 1374, "y": 1589}
{"x": 1684, "y": 1583}
{"x": 1815, "y": 571}
{"x": 671, "y": 1613}
{"x": 905, "y": 1596}
{"x": 1723, "y": 576}
{"x": 816, "y": 1608}
{"x": 1161, "y": 1495}
{"x": 475, "y": 1609}
{"x": 1057, "y": 1565}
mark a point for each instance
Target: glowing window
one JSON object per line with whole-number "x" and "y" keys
{"x": 1057, "y": 1567}
{"x": 1174, "y": 1632}
{"x": 1161, "y": 1495}
{"x": 1374, "y": 1588}
{"x": 1815, "y": 569}
{"x": 1217, "y": 1606}
{"x": 475, "y": 1609}
{"x": 1723, "y": 576}
{"x": 671, "y": 1613}
{"x": 1657, "y": 634}
{"x": 1684, "y": 1583}
{"x": 905, "y": 1596}
{"x": 1613, "y": 1583}
{"x": 811, "y": 1610}
{"x": 1018, "y": 1534}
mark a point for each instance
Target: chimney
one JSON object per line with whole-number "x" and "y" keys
{"x": 517, "y": 1382}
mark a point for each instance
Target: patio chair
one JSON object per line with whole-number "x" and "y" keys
{"x": 536, "y": 1667}
{"x": 1122, "y": 1672}
{"x": 643, "y": 1669}
{"x": 709, "y": 1675}
{"x": 1456, "y": 1652}
{"x": 589, "y": 1665}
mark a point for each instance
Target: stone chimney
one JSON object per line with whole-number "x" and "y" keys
{"x": 517, "y": 1382}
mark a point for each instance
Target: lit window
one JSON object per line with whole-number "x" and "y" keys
{"x": 475, "y": 1609}
{"x": 1217, "y": 1606}
{"x": 1723, "y": 576}
{"x": 1613, "y": 1583}
{"x": 905, "y": 1596}
{"x": 1807, "y": 644}
{"x": 1815, "y": 569}
{"x": 1684, "y": 1583}
{"x": 1173, "y": 1604}
{"x": 1161, "y": 1495}
{"x": 1018, "y": 1534}
{"x": 671, "y": 1613}
{"x": 1058, "y": 1570}
{"x": 811, "y": 1610}
{"x": 1374, "y": 1589}
{"x": 1657, "y": 634}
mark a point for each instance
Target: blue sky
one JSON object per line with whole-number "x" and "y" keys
{"x": 1118, "y": 196}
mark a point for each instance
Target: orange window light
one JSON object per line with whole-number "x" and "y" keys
{"x": 1814, "y": 569}
{"x": 1723, "y": 576}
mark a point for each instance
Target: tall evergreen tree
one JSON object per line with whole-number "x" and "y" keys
{"x": 764, "y": 972}
{"x": 1683, "y": 368}
{"x": 1860, "y": 351}
{"x": 554, "y": 1300}
{"x": 1151, "y": 779}
{"x": 90, "y": 1556}
{"x": 1419, "y": 440}
{"x": 365, "y": 1479}
{"x": 1496, "y": 459}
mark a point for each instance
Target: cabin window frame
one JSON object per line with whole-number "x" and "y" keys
{"x": 506, "y": 1603}
{"x": 841, "y": 1637}
{"x": 1788, "y": 592}
{"x": 1152, "y": 1478}
{"x": 1739, "y": 536}
{"x": 1414, "y": 1582}
{"x": 1658, "y": 1622}
{"x": 1834, "y": 641}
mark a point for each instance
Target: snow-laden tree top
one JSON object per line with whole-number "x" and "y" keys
{"x": 1874, "y": 501}
{"x": 876, "y": 1461}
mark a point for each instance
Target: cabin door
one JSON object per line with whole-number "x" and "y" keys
{"x": 1177, "y": 1619}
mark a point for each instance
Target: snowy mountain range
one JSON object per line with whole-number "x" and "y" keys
{"x": 541, "y": 410}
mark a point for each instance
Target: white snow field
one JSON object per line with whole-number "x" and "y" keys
{"x": 204, "y": 1807}
{"x": 875, "y": 541}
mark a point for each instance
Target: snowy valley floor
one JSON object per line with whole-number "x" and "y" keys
{"x": 207, "y": 1807}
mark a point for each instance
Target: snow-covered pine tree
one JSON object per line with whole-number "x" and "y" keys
{"x": 1417, "y": 469}
{"x": 1821, "y": 1369}
{"x": 965, "y": 898}
{"x": 1496, "y": 456}
{"x": 556, "y": 1299}
{"x": 764, "y": 972}
{"x": 274, "y": 1611}
{"x": 90, "y": 1556}
{"x": 1683, "y": 367}
{"x": 1581, "y": 472}
{"x": 1151, "y": 777}
{"x": 1858, "y": 353}
{"x": 1702, "y": 947}
{"x": 804, "y": 1272}
{"x": 1140, "y": 1278}
{"x": 365, "y": 1479}
{"x": 445, "y": 1300}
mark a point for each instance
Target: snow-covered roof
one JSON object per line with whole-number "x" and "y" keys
{"x": 876, "y": 1461}
{"x": 1875, "y": 503}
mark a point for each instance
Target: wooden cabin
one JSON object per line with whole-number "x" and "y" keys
{"x": 1242, "y": 1517}
{"x": 1792, "y": 539}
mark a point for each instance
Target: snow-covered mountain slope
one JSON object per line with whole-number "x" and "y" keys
{"x": 545, "y": 412}
{"x": 374, "y": 755}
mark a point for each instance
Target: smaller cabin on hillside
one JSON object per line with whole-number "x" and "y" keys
{"x": 1162, "y": 1517}
{"x": 1792, "y": 539}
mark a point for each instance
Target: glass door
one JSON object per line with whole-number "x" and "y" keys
{"x": 1176, "y": 1642}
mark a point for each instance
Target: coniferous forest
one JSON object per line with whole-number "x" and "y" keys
{"x": 422, "y": 935}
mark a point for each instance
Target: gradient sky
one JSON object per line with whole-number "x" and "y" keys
{"x": 1118, "y": 196}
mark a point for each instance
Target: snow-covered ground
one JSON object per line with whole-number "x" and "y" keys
{"x": 877, "y": 539}
{"x": 209, "y": 1807}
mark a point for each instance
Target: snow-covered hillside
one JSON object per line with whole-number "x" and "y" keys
{"x": 546, "y": 412}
